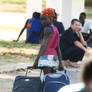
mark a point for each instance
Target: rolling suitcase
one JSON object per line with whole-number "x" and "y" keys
{"x": 27, "y": 84}
{"x": 54, "y": 81}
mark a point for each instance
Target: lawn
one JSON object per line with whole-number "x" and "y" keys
{"x": 13, "y": 44}
{"x": 18, "y": 1}
{"x": 14, "y": 1}
{"x": 17, "y": 52}
{"x": 15, "y": 5}
{"x": 89, "y": 14}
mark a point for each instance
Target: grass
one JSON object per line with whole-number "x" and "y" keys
{"x": 12, "y": 44}
{"x": 89, "y": 14}
{"x": 44, "y": 2}
{"x": 14, "y": 1}
{"x": 19, "y": 1}
{"x": 8, "y": 59}
{"x": 17, "y": 52}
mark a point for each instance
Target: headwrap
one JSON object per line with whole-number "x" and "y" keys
{"x": 50, "y": 12}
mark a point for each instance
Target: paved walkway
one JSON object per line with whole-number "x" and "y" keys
{"x": 7, "y": 78}
{"x": 8, "y": 74}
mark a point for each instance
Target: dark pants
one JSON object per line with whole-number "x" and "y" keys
{"x": 33, "y": 42}
{"x": 85, "y": 36}
{"x": 74, "y": 54}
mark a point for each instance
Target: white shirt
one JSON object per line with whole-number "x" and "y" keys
{"x": 72, "y": 87}
{"x": 87, "y": 26}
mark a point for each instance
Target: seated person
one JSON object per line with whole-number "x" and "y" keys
{"x": 86, "y": 26}
{"x": 58, "y": 24}
{"x": 33, "y": 27}
{"x": 72, "y": 44}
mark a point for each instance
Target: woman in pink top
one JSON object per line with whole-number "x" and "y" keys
{"x": 49, "y": 51}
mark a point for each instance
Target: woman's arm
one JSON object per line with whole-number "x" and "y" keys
{"x": 61, "y": 67}
{"x": 42, "y": 49}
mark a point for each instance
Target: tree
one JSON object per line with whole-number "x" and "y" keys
{"x": 88, "y": 2}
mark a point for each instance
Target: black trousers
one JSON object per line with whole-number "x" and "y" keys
{"x": 85, "y": 36}
{"x": 74, "y": 54}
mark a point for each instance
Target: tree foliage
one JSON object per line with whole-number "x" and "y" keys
{"x": 88, "y": 2}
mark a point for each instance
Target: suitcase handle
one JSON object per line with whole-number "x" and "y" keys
{"x": 65, "y": 69}
{"x": 31, "y": 67}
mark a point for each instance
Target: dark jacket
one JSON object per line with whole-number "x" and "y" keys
{"x": 59, "y": 26}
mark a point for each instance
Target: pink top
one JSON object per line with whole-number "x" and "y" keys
{"x": 52, "y": 43}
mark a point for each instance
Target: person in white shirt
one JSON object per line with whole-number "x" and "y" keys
{"x": 85, "y": 85}
{"x": 86, "y": 26}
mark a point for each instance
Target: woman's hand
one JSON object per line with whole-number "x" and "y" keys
{"x": 60, "y": 67}
{"x": 35, "y": 65}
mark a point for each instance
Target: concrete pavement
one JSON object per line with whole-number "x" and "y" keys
{"x": 7, "y": 78}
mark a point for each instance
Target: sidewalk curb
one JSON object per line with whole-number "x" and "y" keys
{"x": 13, "y": 67}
